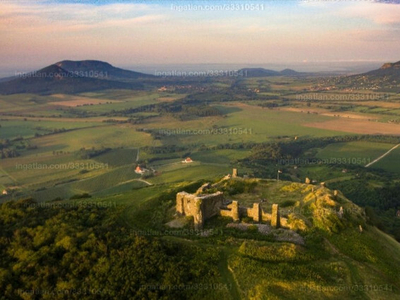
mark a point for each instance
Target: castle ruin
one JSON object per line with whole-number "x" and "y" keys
{"x": 202, "y": 207}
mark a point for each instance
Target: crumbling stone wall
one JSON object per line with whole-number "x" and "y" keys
{"x": 201, "y": 207}
{"x": 232, "y": 210}
{"x": 254, "y": 212}
{"x": 266, "y": 217}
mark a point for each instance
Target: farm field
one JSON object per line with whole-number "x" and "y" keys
{"x": 256, "y": 125}
{"x": 222, "y": 156}
{"x": 357, "y": 153}
{"x": 106, "y": 136}
{"x": 27, "y": 129}
{"x": 180, "y": 172}
{"x": 357, "y": 126}
{"x": 391, "y": 162}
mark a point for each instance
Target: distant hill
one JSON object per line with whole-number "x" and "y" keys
{"x": 290, "y": 72}
{"x": 388, "y": 69}
{"x": 386, "y": 78}
{"x": 99, "y": 69}
{"x": 261, "y": 72}
{"x": 54, "y": 79}
{"x": 4, "y": 79}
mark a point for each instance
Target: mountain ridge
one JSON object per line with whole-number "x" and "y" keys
{"x": 54, "y": 79}
{"x": 104, "y": 70}
{"x": 262, "y": 72}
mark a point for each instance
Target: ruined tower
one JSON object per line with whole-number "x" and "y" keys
{"x": 234, "y": 173}
{"x": 275, "y": 217}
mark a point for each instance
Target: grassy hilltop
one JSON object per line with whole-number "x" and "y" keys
{"x": 120, "y": 245}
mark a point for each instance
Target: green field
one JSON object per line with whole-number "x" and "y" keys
{"x": 359, "y": 153}
{"x": 391, "y": 162}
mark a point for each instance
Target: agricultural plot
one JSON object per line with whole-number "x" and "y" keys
{"x": 121, "y": 188}
{"x": 321, "y": 173}
{"x": 125, "y": 101}
{"x": 68, "y": 174}
{"x": 28, "y": 128}
{"x": 243, "y": 123}
{"x": 356, "y": 153}
{"x": 5, "y": 179}
{"x": 267, "y": 123}
{"x": 223, "y": 156}
{"x": 114, "y": 181}
{"x": 357, "y": 126}
{"x": 41, "y": 169}
{"x": 181, "y": 172}
{"x": 109, "y": 179}
{"x": 22, "y": 102}
{"x": 118, "y": 157}
{"x": 391, "y": 162}
{"x": 112, "y": 136}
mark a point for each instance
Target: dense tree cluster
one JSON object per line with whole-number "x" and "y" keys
{"x": 80, "y": 252}
{"x": 165, "y": 149}
{"x": 8, "y": 153}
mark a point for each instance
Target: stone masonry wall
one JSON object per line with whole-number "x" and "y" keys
{"x": 254, "y": 212}
{"x": 231, "y": 211}
{"x": 201, "y": 207}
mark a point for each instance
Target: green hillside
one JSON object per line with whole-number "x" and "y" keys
{"x": 100, "y": 245}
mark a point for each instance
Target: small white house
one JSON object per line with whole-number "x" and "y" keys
{"x": 187, "y": 160}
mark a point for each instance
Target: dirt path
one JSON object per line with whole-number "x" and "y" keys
{"x": 142, "y": 180}
{"x": 135, "y": 179}
{"x": 382, "y": 156}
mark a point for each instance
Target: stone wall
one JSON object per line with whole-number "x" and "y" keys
{"x": 232, "y": 211}
{"x": 211, "y": 204}
{"x": 266, "y": 217}
{"x": 275, "y": 216}
{"x": 201, "y": 207}
{"x": 254, "y": 212}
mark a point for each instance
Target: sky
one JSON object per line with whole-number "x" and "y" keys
{"x": 37, "y": 33}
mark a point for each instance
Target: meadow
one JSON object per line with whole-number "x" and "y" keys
{"x": 391, "y": 162}
{"x": 356, "y": 153}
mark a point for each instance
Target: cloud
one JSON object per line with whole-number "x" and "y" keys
{"x": 376, "y": 36}
{"x": 378, "y": 13}
{"x": 63, "y": 17}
